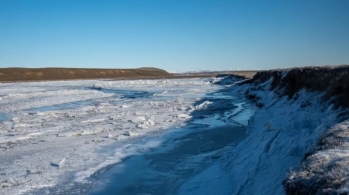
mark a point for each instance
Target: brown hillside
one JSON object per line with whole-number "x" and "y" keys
{"x": 43, "y": 74}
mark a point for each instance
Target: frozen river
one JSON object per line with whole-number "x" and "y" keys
{"x": 181, "y": 153}
{"x": 114, "y": 137}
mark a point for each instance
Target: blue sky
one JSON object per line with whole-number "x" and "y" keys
{"x": 176, "y": 35}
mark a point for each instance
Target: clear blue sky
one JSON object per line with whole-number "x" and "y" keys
{"x": 176, "y": 35}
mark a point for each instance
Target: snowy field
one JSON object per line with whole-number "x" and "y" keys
{"x": 58, "y": 133}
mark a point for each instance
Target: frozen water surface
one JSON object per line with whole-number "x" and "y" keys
{"x": 181, "y": 153}
{"x": 161, "y": 170}
{"x": 127, "y": 94}
{"x": 3, "y": 117}
{"x": 103, "y": 137}
{"x": 69, "y": 105}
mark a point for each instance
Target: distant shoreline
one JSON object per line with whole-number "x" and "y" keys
{"x": 11, "y": 75}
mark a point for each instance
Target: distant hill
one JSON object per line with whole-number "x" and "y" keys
{"x": 245, "y": 73}
{"x": 43, "y": 74}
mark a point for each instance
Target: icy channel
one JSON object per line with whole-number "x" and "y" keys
{"x": 81, "y": 137}
{"x": 179, "y": 154}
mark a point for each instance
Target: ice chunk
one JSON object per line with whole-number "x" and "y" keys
{"x": 131, "y": 134}
{"x": 93, "y": 120}
{"x": 146, "y": 124}
{"x": 61, "y": 164}
{"x": 33, "y": 171}
{"x": 184, "y": 116}
{"x": 5, "y": 185}
{"x": 203, "y": 105}
{"x": 11, "y": 181}
{"x": 110, "y": 136}
{"x": 138, "y": 119}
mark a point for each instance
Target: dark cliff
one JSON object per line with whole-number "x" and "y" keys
{"x": 334, "y": 81}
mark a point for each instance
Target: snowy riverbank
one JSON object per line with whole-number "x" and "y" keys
{"x": 298, "y": 107}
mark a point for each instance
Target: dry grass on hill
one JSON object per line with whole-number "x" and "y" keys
{"x": 44, "y": 74}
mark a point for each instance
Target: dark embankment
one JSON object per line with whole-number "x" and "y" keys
{"x": 239, "y": 74}
{"x": 244, "y": 73}
{"x": 44, "y": 74}
{"x": 236, "y": 76}
{"x": 333, "y": 80}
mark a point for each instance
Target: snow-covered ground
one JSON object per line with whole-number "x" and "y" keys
{"x": 281, "y": 133}
{"x": 53, "y": 132}
{"x": 61, "y": 133}
{"x": 324, "y": 171}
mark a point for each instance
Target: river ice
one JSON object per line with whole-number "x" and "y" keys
{"x": 60, "y": 133}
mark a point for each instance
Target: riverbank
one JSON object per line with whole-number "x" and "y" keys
{"x": 297, "y": 107}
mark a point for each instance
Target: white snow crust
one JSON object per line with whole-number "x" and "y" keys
{"x": 54, "y": 131}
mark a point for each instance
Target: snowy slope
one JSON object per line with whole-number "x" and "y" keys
{"x": 286, "y": 128}
{"x": 325, "y": 170}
